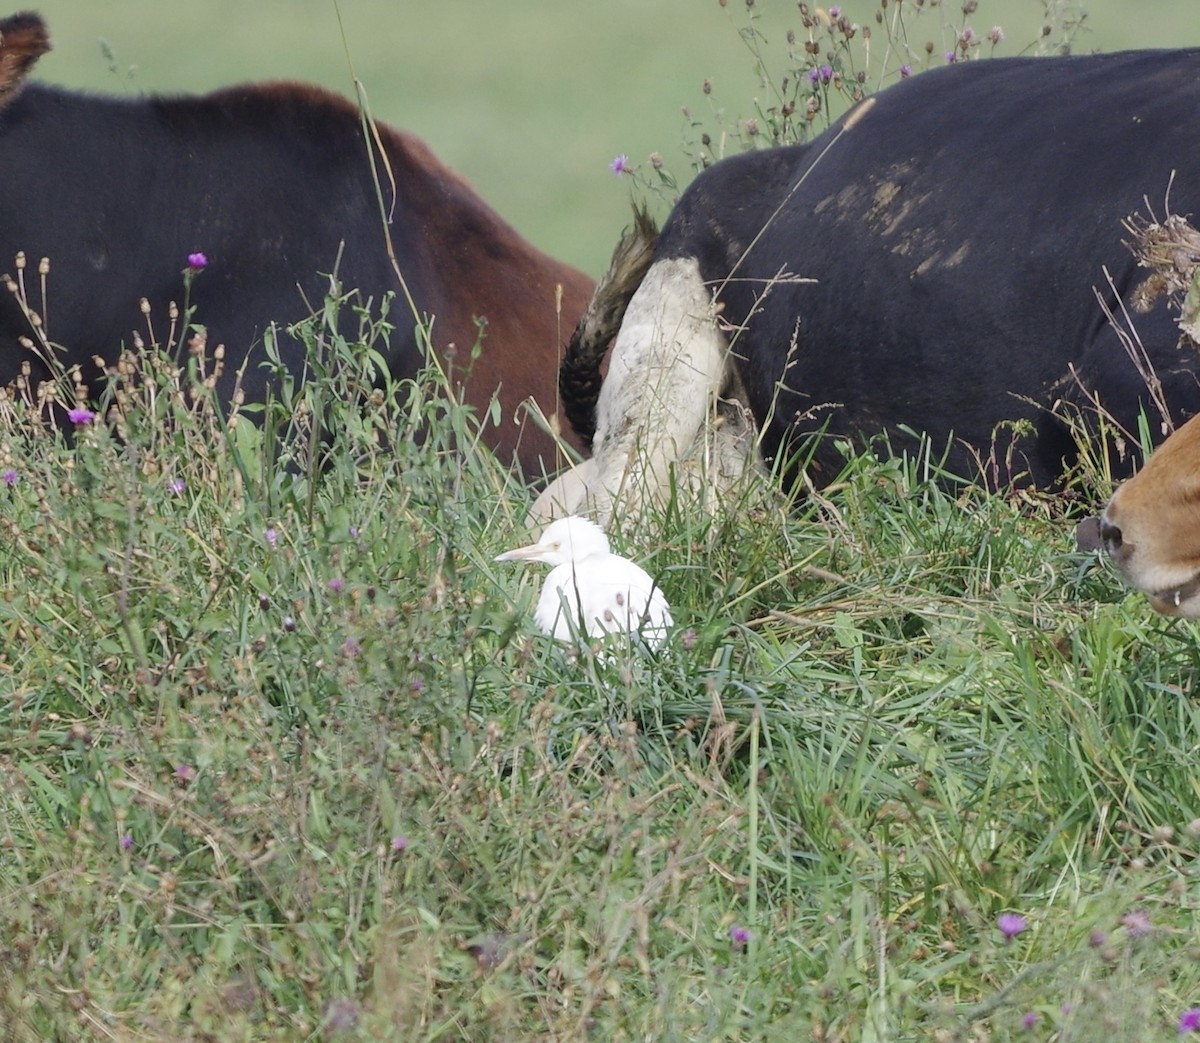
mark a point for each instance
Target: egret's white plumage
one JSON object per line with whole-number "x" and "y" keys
{"x": 590, "y": 590}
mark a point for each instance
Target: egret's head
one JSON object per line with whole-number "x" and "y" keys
{"x": 566, "y": 540}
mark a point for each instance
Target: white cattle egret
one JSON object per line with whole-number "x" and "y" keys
{"x": 590, "y": 590}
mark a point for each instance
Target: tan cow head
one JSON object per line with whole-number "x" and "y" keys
{"x": 23, "y": 40}
{"x": 1151, "y": 526}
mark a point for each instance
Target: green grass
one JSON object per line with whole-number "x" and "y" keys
{"x": 283, "y": 758}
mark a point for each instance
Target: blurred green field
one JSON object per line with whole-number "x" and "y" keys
{"x": 530, "y": 99}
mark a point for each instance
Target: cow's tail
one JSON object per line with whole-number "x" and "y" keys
{"x": 579, "y": 379}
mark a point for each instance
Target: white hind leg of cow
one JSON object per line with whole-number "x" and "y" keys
{"x": 667, "y": 367}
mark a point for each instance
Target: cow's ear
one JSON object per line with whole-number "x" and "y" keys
{"x": 23, "y": 40}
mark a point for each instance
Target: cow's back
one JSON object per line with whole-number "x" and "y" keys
{"x": 280, "y": 187}
{"x": 955, "y": 235}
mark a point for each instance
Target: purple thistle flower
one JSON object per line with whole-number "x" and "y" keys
{"x": 1030, "y": 1020}
{"x": 272, "y": 538}
{"x": 337, "y": 584}
{"x": 620, "y": 165}
{"x": 826, "y": 72}
{"x": 739, "y": 935}
{"x": 80, "y": 416}
{"x": 996, "y": 34}
{"x": 399, "y": 844}
{"x": 835, "y": 13}
{"x": 1011, "y": 924}
{"x": 1189, "y": 1021}
{"x": 184, "y": 773}
{"x": 175, "y": 486}
{"x": 351, "y": 648}
{"x": 10, "y": 477}
{"x": 952, "y": 56}
{"x": 905, "y": 71}
{"x": 126, "y": 841}
{"x": 197, "y": 261}
{"x": 1136, "y": 923}
{"x": 341, "y": 1016}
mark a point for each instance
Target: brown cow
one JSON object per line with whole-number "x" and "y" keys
{"x": 275, "y": 184}
{"x": 1151, "y": 526}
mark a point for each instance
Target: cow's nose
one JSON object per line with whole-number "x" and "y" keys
{"x": 1111, "y": 535}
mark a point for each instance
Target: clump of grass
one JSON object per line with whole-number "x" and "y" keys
{"x": 283, "y": 755}
{"x": 823, "y": 59}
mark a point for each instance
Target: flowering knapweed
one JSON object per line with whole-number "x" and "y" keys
{"x": 197, "y": 261}
{"x": 739, "y": 935}
{"x": 1011, "y": 924}
{"x": 272, "y": 538}
{"x": 620, "y": 165}
{"x": 341, "y": 1016}
{"x": 80, "y": 416}
{"x": 996, "y": 34}
{"x": 1030, "y": 1020}
{"x": 835, "y": 13}
{"x": 951, "y": 57}
{"x": 905, "y": 71}
{"x": 399, "y": 844}
{"x": 1136, "y": 922}
{"x": 184, "y": 773}
{"x": 10, "y": 476}
{"x": 175, "y": 486}
{"x": 1189, "y": 1021}
{"x": 126, "y": 841}
{"x": 337, "y": 584}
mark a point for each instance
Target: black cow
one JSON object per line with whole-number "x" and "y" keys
{"x": 275, "y": 184}
{"x": 929, "y": 263}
